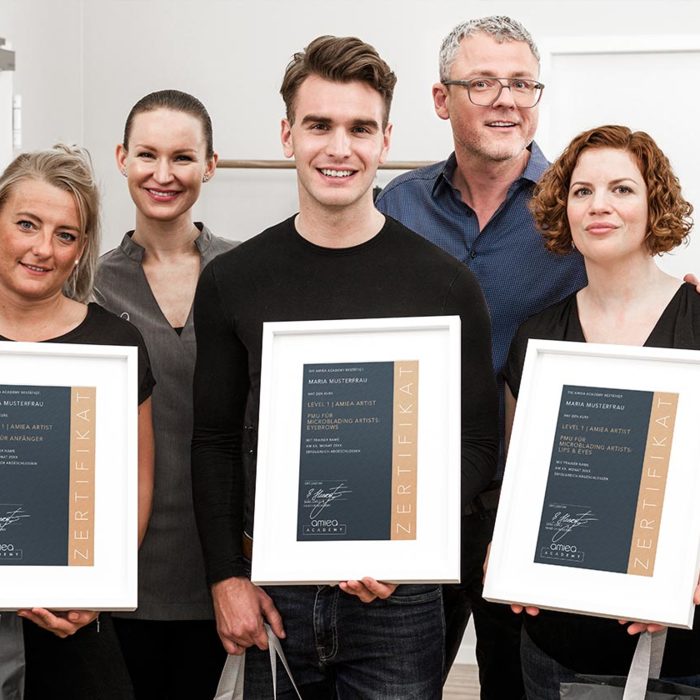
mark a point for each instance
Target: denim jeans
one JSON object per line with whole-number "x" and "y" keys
{"x": 340, "y": 647}
{"x": 542, "y": 675}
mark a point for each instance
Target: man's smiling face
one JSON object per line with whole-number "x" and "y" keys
{"x": 338, "y": 140}
{"x": 502, "y": 131}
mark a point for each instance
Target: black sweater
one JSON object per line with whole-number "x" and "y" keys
{"x": 280, "y": 276}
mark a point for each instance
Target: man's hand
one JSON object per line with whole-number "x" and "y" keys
{"x": 62, "y": 624}
{"x": 367, "y": 589}
{"x": 690, "y": 278}
{"x": 240, "y": 609}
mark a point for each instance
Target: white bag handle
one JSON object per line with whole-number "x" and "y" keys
{"x": 646, "y": 664}
{"x": 232, "y": 676}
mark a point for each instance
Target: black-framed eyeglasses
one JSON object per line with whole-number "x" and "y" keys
{"x": 484, "y": 92}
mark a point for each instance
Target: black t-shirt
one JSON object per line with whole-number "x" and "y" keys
{"x": 100, "y": 327}
{"x": 280, "y": 276}
{"x": 590, "y": 644}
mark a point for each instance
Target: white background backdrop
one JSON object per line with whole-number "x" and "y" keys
{"x": 81, "y": 64}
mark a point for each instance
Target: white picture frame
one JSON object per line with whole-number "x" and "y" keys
{"x": 552, "y": 449}
{"x": 97, "y": 516}
{"x": 431, "y": 554}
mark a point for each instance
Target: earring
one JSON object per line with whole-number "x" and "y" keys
{"x": 77, "y": 260}
{"x": 124, "y": 172}
{"x": 205, "y": 178}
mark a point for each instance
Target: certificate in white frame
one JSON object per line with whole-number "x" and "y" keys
{"x": 68, "y": 459}
{"x": 599, "y": 507}
{"x": 342, "y": 490}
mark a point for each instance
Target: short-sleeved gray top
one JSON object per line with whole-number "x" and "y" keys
{"x": 171, "y": 572}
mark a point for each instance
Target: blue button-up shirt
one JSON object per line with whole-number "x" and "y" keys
{"x": 518, "y": 275}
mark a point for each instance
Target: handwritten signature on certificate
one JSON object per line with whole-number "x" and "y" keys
{"x": 321, "y": 498}
{"x": 564, "y": 523}
{"x": 11, "y": 516}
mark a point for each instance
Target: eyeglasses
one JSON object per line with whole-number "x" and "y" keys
{"x": 484, "y": 92}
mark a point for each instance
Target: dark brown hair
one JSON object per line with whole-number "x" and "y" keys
{"x": 177, "y": 102}
{"x": 669, "y": 214}
{"x": 342, "y": 60}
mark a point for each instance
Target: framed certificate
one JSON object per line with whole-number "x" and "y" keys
{"x": 68, "y": 484}
{"x": 599, "y": 507}
{"x": 358, "y": 470}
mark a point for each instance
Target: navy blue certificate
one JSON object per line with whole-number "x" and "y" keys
{"x": 47, "y": 470}
{"x": 358, "y": 453}
{"x": 607, "y": 476}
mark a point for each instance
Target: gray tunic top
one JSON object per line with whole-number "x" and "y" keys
{"x": 171, "y": 572}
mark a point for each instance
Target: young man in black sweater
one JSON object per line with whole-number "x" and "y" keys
{"x": 337, "y": 258}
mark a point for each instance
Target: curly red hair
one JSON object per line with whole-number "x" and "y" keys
{"x": 669, "y": 213}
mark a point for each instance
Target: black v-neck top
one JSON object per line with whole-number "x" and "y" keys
{"x": 100, "y": 327}
{"x": 590, "y": 644}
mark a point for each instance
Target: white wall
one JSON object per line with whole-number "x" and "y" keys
{"x": 640, "y": 81}
{"x": 81, "y": 64}
{"x": 47, "y": 39}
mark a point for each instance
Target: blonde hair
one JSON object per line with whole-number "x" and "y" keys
{"x": 69, "y": 168}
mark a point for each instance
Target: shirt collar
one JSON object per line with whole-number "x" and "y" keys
{"x": 444, "y": 179}
{"x": 134, "y": 251}
{"x": 536, "y": 165}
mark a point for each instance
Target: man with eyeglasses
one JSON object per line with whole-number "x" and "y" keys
{"x": 474, "y": 205}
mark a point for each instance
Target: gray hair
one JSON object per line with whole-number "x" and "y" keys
{"x": 68, "y": 168}
{"x": 499, "y": 27}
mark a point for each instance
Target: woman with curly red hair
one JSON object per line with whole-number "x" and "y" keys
{"x": 612, "y": 195}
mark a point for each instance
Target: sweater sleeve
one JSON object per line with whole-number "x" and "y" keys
{"x": 513, "y": 369}
{"x": 479, "y": 393}
{"x": 220, "y": 391}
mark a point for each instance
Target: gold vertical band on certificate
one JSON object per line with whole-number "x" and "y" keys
{"x": 404, "y": 481}
{"x": 81, "y": 503}
{"x": 657, "y": 456}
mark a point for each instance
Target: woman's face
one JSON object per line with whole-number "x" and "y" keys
{"x": 166, "y": 163}
{"x": 607, "y": 205}
{"x": 40, "y": 240}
